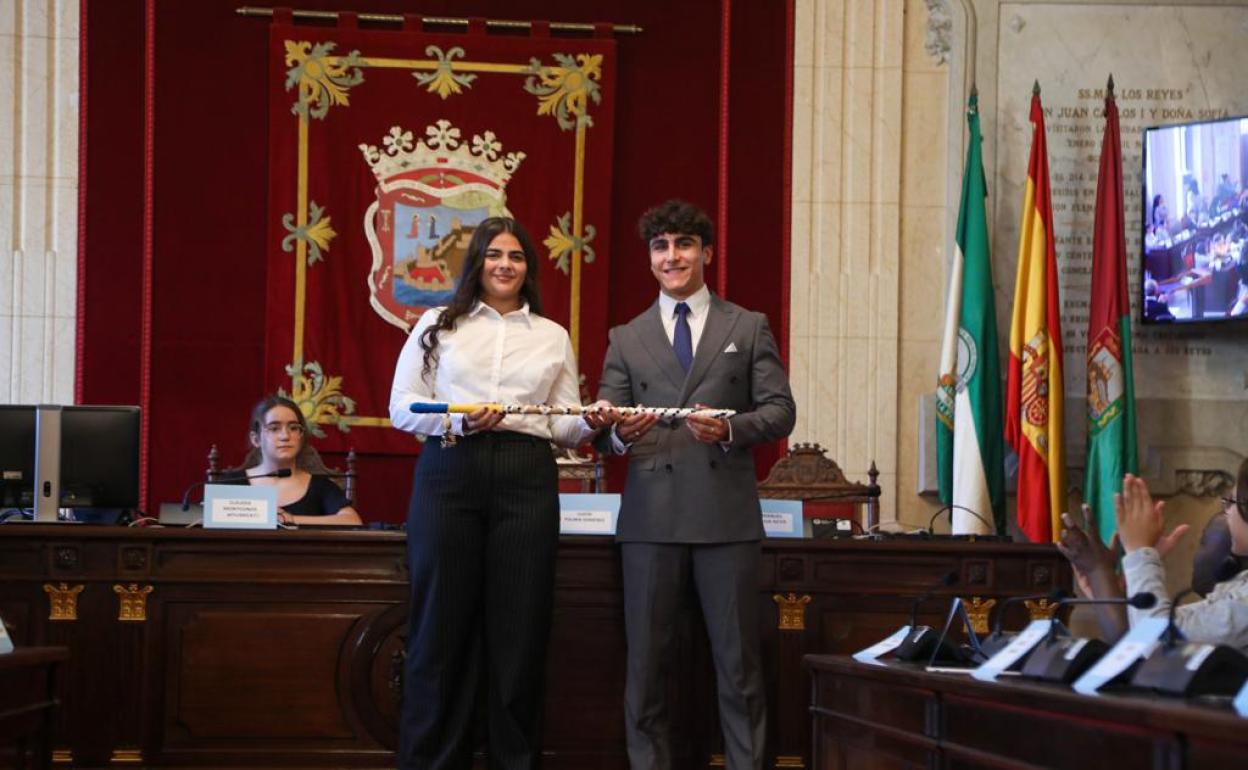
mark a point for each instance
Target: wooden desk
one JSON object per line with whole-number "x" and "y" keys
{"x": 900, "y": 716}
{"x": 236, "y": 648}
{"x": 27, "y": 702}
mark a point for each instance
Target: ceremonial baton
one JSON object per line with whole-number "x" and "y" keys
{"x": 668, "y": 412}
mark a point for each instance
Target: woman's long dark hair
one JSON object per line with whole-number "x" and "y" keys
{"x": 469, "y": 289}
{"x": 308, "y": 458}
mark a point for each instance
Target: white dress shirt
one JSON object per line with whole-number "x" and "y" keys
{"x": 1220, "y": 618}
{"x": 517, "y": 358}
{"x": 699, "y": 306}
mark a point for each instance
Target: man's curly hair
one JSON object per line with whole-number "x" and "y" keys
{"x": 677, "y": 217}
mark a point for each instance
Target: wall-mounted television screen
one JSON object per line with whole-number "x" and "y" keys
{"x": 1195, "y": 207}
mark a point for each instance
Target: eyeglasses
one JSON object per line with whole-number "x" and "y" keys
{"x": 291, "y": 428}
{"x": 1240, "y": 505}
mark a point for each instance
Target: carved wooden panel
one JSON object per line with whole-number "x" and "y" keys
{"x": 260, "y": 671}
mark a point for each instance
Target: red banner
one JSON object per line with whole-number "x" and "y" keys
{"x": 386, "y": 149}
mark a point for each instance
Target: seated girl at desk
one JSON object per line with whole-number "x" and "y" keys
{"x": 1219, "y": 618}
{"x": 278, "y": 437}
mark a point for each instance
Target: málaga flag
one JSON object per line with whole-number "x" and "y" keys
{"x": 970, "y": 449}
{"x": 1111, "y": 392}
{"x": 1034, "y": 392}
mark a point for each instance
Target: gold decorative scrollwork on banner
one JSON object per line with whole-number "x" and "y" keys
{"x": 792, "y": 611}
{"x": 322, "y": 79}
{"x": 1040, "y": 610}
{"x": 444, "y": 81}
{"x": 126, "y": 757}
{"x": 783, "y": 761}
{"x": 62, "y": 601}
{"x": 317, "y": 233}
{"x": 562, "y": 242}
{"x": 320, "y": 398}
{"x": 565, "y": 91}
{"x": 132, "y": 602}
{"x": 978, "y": 610}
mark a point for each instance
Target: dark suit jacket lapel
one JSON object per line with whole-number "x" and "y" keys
{"x": 660, "y": 348}
{"x": 720, "y": 319}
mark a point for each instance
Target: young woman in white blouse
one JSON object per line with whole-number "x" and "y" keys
{"x": 483, "y": 524}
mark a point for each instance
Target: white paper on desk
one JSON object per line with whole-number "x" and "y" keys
{"x": 234, "y": 506}
{"x": 1139, "y": 642}
{"x": 882, "y": 647}
{"x": 1241, "y": 701}
{"x": 1018, "y": 647}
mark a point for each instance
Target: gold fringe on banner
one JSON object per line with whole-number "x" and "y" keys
{"x": 446, "y": 21}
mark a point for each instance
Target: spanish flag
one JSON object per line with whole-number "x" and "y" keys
{"x": 1111, "y": 386}
{"x": 1033, "y": 411}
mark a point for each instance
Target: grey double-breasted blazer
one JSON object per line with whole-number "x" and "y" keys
{"x": 680, "y": 490}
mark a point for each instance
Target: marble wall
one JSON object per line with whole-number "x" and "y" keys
{"x": 38, "y": 199}
{"x": 869, "y": 221}
{"x": 878, "y": 146}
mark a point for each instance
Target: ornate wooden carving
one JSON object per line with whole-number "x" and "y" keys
{"x": 1040, "y": 610}
{"x": 132, "y": 602}
{"x": 978, "y": 610}
{"x": 792, "y": 611}
{"x": 62, "y": 601}
{"x": 66, "y": 557}
{"x": 805, "y": 473}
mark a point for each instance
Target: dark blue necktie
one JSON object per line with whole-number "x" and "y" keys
{"x": 682, "y": 338}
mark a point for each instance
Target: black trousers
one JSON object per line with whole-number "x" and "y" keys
{"x": 482, "y": 531}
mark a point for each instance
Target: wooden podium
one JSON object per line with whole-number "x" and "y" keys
{"x": 268, "y": 649}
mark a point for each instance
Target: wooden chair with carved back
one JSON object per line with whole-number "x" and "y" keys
{"x": 805, "y": 473}
{"x": 345, "y": 479}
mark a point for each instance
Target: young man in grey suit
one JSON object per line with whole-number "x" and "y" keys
{"x": 690, "y": 508}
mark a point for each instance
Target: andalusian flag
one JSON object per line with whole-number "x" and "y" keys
{"x": 1111, "y": 393}
{"x": 1034, "y": 392}
{"x": 970, "y": 452}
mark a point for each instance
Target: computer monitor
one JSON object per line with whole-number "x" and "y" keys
{"x": 100, "y": 457}
{"x": 17, "y": 456}
{"x": 55, "y": 457}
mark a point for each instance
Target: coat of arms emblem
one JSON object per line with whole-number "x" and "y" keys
{"x": 431, "y": 195}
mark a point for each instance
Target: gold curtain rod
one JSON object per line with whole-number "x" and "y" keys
{"x": 394, "y": 18}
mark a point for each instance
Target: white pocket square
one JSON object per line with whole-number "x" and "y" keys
{"x": 732, "y": 348}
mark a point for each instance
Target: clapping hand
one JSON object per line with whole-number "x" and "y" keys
{"x": 1140, "y": 520}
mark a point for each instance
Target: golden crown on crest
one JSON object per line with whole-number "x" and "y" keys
{"x": 441, "y": 150}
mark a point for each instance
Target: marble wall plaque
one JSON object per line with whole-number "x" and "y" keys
{"x": 1170, "y": 65}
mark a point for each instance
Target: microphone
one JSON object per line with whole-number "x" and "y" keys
{"x": 992, "y": 530}
{"x": 280, "y": 473}
{"x": 920, "y": 641}
{"x": 1179, "y": 667}
{"x": 1173, "y": 636}
{"x": 1064, "y": 658}
{"x": 1144, "y": 600}
{"x": 998, "y": 639}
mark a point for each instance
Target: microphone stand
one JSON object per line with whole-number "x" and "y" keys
{"x": 919, "y": 643}
{"x": 1062, "y": 657}
{"x": 1183, "y": 668}
{"x": 280, "y": 473}
{"x": 998, "y": 639}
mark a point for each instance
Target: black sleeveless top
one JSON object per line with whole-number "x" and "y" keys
{"x": 323, "y": 498}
